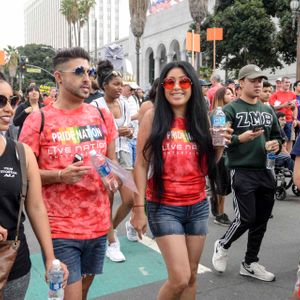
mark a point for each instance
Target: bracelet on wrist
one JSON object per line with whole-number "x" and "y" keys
{"x": 59, "y": 176}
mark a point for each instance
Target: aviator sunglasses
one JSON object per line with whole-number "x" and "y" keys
{"x": 80, "y": 71}
{"x": 184, "y": 83}
{"x": 4, "y": 100}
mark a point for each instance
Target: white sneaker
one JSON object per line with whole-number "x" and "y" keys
{"x": 114, "y": 253}
{"x": 131, "y": 232}
{"x": 220, "y": 257}
{"x": 257, "y": 271}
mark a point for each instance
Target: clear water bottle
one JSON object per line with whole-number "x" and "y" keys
{"x": 218, "y": 127}
{"x": 102, "y": 168}
{"x": 270, "y": 161}
{"x": 56, "y": 276}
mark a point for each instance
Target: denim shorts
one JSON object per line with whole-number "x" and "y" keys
{"x": 82, "y": 257}
{"x": 288, "y": 128}
{"x": 180, "y": 220}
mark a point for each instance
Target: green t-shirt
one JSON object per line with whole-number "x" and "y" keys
{"x": 244, "y": 116}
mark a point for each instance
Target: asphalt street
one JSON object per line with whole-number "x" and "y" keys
{"x": 279, "y": 254}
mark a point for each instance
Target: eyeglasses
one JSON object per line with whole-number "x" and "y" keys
{"x": 80, "y": 71}
{"x": 184, "y": 83}
{"x": 4, "y": 100}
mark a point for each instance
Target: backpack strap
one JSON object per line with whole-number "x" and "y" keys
{"x": 22, "y": 158}
{"x": 101, "y": 114}
{"x": 42, "y": 120}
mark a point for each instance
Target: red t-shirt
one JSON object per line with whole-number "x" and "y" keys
{"x": 211, "y": 94}
{"x": 184, "y": 181}
{"x": 48, "y": 100}
{"x": 81, "y": 210}
{"x": 280, "y": 98}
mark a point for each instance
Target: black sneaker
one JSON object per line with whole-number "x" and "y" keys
{"x": 222, "y": 220}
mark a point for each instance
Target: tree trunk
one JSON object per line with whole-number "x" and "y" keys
{"x": 79, "y": 34}
{"x": 75, "y": 34}
{"x": 70, "y": 35}
{"x": 88, "y": 34}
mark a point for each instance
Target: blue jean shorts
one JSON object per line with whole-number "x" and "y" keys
{"x": 288, "y": 128}
{"x": 180, "y": 220}
{"x": 82, "y": 257}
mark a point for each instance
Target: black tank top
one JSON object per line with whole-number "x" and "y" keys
{"x": 10, "y": 183}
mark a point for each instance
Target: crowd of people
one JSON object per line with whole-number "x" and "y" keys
{"x": 71, "y": 209}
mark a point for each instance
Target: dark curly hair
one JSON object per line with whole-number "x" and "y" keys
{"x": 105, "y": 72}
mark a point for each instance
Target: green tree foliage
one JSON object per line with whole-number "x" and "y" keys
{"x": 251, "y": 33}
{"x": 39, "y": 55}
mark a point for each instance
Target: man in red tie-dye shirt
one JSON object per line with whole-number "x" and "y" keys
{"x": 76, "y": 199}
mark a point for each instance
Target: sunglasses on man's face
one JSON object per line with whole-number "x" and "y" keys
{"x": 184, "y": 83}
{"x": 81, "y": 71}
{"x": 4, "y": 100}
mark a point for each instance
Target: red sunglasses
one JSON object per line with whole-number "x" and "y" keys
{"x": 184, "y": 83}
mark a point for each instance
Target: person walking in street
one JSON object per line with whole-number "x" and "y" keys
{"x": 285, "y": 101}
{"x": 76, "y": 198}
{"x": 33, "y": 103}
{"x": 223, "y": 96}
{"x": 110, "y": 81}
{"x": 175, "y": 149}
{"x": 11, "y": 183}
{"x": 256, "y": 131}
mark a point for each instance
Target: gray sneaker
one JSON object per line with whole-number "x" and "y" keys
{"x": 257, "y": 271}
{"x": 220, "y": 257}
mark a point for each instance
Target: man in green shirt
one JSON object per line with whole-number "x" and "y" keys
{"x": 256, "y": 131}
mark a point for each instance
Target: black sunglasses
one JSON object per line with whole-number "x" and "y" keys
{"x": 80, "y": 71}
{"x": 4, "y": 100}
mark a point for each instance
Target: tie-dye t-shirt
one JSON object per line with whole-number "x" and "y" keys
{"x": 184, "y": 181}
{"x": 81, "y": 210}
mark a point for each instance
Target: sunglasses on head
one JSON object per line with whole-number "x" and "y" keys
{"x": 184, "y": 83}
{"x": 4, "y": 100}
{"x": 81, "y": 71}
{"x": 112, "y": 73}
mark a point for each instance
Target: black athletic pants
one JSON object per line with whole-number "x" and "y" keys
{"x": 253, "y": 200}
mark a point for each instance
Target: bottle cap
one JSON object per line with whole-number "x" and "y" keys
{"x": 56, "y": 263}
{"x": 93, "y": 152}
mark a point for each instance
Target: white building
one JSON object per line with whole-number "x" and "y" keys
{"x": 109, "y": 22}
{"x": 44, "y": 23}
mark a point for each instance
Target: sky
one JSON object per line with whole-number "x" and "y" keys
{"x": 12, "y": 23}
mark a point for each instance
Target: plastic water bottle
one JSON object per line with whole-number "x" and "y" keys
{"x": 102, "y": 168}
{"x": 56, "y": 276}
{"x": 270, "y": 161}
{"x": 218, "y": 127}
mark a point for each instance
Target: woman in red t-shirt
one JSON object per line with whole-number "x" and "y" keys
{"x": 175, "y": 149}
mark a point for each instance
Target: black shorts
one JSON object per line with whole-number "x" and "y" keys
{"x": 223, "y": 181}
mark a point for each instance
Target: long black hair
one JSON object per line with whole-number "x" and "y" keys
{"x": 197, "y": 125}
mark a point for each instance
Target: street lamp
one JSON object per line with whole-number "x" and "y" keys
{"x": 295, "y": 8}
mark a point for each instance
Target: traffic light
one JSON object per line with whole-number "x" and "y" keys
{"x": 22, "y": 63}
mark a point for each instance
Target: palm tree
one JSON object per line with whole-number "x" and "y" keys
{"x": 12, "y": 62}
{"x": 198, "y": 10}
{"x": 138, "y": 10}
{"x": 69, "y": 8}
{"x": 84, "y": 7}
